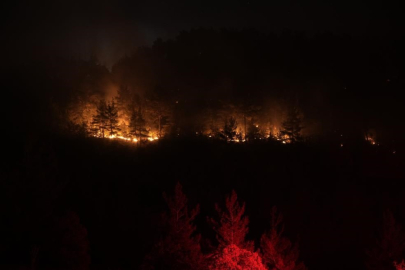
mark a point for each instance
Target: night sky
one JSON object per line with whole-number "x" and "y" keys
{"x": 111, "y": 29}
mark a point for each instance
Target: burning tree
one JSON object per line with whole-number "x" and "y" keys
{"x": 278, "y": 252}
{"x": 232, "y": 226}
{"x": 291, "y": 127}
{"x": 389, "y": 248}
{"x": 99, "y": 123}
{"x": 180, "y": 247}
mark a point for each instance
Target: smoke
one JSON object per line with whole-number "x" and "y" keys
{"x": 75, "y": 29}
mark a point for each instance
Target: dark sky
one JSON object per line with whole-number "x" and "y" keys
{"x": 110, "y": 29}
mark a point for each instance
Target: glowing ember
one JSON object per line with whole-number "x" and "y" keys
{"x": 128, "y": 139}
{"x": 371, "y": 140}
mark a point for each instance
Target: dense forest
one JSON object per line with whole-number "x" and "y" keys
{"x": 203, "y": 78}
{"x": 269, "y": 151}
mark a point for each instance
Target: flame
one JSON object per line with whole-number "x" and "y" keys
{"x": 128, "y": 139}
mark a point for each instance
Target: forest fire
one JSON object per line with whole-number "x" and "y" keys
{"x": 108, "y": 105}
{"x": 143, "y": 120}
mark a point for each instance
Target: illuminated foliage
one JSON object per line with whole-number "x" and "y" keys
{"x": 400, "y": 266}
{"x": 277, "y": 251}
{"x": 389, "y": 248}
{"x": 234, "y": 258}
{"x": 232, "y": 226}
{"x": 180, "y": 247}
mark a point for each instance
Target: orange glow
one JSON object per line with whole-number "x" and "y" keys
{"x": 128, "y": 139}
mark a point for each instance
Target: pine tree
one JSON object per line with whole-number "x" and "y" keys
{"x": 232, "y": 226}
{"x": 291, "y": 127}
{"x": 180, "y": 247}
{"x": 389, "y": 248}
{"x": 99, "y": 122}
{"x": 277, "y": 251}
{"x": 138, "y": 125}
{"x": 111, "y": 114}
{"x": 235, "y": 258}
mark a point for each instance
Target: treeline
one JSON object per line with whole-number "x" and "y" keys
{"x": 203, "y": 77}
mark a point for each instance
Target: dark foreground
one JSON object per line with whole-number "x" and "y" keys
{"x": 332, "y": 197}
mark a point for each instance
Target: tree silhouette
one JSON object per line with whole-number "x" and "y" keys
{"x": 138, "y": 125}
{"x": 111, "y": 114}
{"x": 232, "y": 226}
{"x": 230, "y": 128}
{"x": 68, "y": 247}
{"x": 278, "y": 252}
{"x": 389, "y": 248}
{"x": 180, "y": 246}
{"x": 159, "y": 111}
{"x": 291, "y": 127}
{"x": 99, "y": 122}
{"x": 253, "y": 131}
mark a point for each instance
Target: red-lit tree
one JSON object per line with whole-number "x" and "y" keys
{"x": 389, "y": 248}
{"x": 234, "y": 258}
{"x": 278, "y": 252}
{"x": 180, "y": 246}
{"x": 400, "y": 266}
{"x": 232, "y": 226}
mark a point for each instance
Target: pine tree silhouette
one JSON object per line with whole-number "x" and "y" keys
{"x": 277, "y": 251}
{"x": 99, "y": 122}
{"x": 291, "y": 127}
{"x": 232, "y": 226}
{"x": 111, "y": 115}
{"x": 180, "y": 246}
